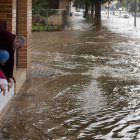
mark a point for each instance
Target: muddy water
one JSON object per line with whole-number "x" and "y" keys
{"x": 83, "y": 85}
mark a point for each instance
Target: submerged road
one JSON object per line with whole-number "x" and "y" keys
{"x": 83, "y": 85}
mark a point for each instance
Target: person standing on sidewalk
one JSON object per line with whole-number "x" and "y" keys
{"x": 10, "y": 42}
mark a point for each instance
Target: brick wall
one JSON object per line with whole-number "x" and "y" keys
{"x": 24, "y": 28}
{"x": 8, "y": 14}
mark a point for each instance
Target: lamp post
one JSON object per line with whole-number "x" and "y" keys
{"x": 135, "y": 14}
{"x": 125, "y": 6}
{"x": 17, "y": 29}
{"x": 108, "y": 8}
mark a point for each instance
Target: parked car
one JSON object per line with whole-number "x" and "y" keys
{"x": 103, "y": 13}
{"x": 72, "y": 11}
{"x": 125, "y": 14}
{"x": 78, "y": 13}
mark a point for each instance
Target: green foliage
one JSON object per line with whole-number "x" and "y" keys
{"x": 79, "y": 3}
{"x": 129, "y": 4}
{"x": 123, "y": 3}
{"x": 82, "y": 3}
{"x": 40, "y": 4}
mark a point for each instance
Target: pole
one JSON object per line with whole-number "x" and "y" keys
{"x": 135, "y": 14}
{"x": 108, "y": 8}
{"x": 17, "y": 12}
{"x": 125, "y": 6}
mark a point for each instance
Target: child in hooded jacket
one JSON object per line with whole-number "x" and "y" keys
{"x": 4, "y": 56}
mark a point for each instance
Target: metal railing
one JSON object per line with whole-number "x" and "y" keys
{"x": 48, "y": 20}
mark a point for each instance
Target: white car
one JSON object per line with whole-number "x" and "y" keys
{"x": 78, "y": 13}
{"x": 125, "y": 14}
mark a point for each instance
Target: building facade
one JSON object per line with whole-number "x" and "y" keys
{"x": 15, "y": 16}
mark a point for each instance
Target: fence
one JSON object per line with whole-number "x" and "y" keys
{"x": 48, "y": 20}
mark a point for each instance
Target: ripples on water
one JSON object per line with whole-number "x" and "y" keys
{"x": 98, "y": 115}
{"x": 95, "y": 93}
{"x": 105, "y": 102}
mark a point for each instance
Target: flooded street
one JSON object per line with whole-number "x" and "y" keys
{"x": 83, "y": 85}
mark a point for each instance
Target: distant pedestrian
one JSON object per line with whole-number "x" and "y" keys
{"x": 70, "y": 14}
{"x": 10, "y": 42}
{"x": 4, "y": 56}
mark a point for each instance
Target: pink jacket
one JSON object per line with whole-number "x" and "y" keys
{"x": 2, "y": 75}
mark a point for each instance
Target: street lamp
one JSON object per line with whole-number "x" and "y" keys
{"x": 17, "y": 30}
{"x": 135, "y": 14}
{"x": 125, "y": 6}
{"x": 108, "y": 7}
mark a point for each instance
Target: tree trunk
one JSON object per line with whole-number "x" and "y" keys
{"x": 97, "y": 21}
{"x": 86, "y": 10}
{"x": 92, "y": 10}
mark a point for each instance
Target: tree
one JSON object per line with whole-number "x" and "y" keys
{"x": 129, "y": 4}
{"x": 40, "y": 4}
{"x": 95, "y": 6}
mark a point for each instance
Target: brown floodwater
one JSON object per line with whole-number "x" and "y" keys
{"x": 83, "y": 85}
